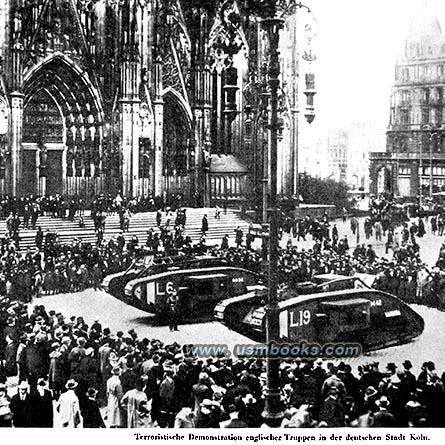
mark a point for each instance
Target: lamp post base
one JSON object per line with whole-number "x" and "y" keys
{"x": 272, "y": 414}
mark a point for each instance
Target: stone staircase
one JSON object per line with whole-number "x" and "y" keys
{"x": 139, "y": 225}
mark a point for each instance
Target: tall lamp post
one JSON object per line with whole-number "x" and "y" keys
{"x": 271, "y": 14}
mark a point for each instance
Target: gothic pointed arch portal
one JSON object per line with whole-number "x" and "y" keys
{"x": 178, "y": 153}
{"x": 62, "y": 131}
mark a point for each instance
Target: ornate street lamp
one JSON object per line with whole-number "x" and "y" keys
{"x": 257, "y": 122}
{"x": 272, "y": 14}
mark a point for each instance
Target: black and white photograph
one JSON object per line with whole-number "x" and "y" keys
{"x": 223, "y": 214}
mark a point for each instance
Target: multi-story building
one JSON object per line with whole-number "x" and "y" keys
{"x": 362, "y": 140}
{"x": 414, "y": 161}
{"x": 337, "y": 153}
{"x": 342, "y": 154}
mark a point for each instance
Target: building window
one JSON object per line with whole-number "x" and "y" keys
{"x": 440, "y": 70}
{"x": 426, "y": 96}
{"x": 405, "y": 75}
{"x": 404, "y": 170}
{"x": 404, "y": 116}
{"x": 406, "y": 96}
{"x": 439, "y": 116}
{"x": 425, "y": 116}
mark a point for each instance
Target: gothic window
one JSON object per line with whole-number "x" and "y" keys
{"x": 176, "y": 139}
{"x": 42, "y": 120}
{"x": 145, "y": 157}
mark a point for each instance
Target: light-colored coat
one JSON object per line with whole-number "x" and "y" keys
{"x": 136, "y": 404}
{"x": 69, "y": 410}
{"x": 114, "y": 396}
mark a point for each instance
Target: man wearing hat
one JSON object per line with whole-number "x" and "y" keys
{"x": 42, "y": 405}
{"x": 409, "y": 377}
{"x": 21, "y": 407}
{"x": 68, "y": 407}
{"x": 96, "y": 326}
{"x": 202, "y": 390}
{"x": 10, "y": 351}
{"x": 331, "y": 410}
{"x": 209, "y": 415}
{"x": 383, "y": 418}
{"x": 167, "y": 400}
{"x": 185, "y": 418}
{"x": 135, "y": 401}
{"x": 234, "y": 410}
{"x": 21, "y": 358}
{"x": 90, "y": 411}
{"x": 114, "y": 397}
{"x": 391, "y": 368}
{"x": 370, "y": 394}
{"x": 77, "y": 354}
{"x": 334, "y": 381}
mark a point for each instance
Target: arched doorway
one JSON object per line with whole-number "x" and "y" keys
{"x": 62, "y": 131}
{"x": 178, "y": 153}
{"x": 42, "y": 127}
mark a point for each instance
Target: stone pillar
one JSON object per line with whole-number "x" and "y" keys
{"x": 130, "y": 146}
{"x": 415, "y": 178}
{"x": 198, "y": 118}
{"x": 158, "y": 111}
{"x": 16, "y": 143}
{"x": 373, "y": 178}
{"x": 207, "y": 110}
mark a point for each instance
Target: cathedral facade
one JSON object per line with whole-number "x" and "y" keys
{"x": 139, "y": 97}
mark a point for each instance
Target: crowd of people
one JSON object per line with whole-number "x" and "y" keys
{"x": 67, "y": 207}
{"x": 54, "y": 267}
{"x": 94, "y": 378}
{"x": 97, "y": 378}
